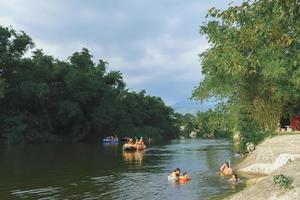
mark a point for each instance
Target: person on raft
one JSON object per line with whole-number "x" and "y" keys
{"x": 226, "y": 169}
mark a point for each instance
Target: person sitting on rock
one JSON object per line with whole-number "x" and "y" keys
{"x": 250, "y": 147}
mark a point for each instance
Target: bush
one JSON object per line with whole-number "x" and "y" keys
{"x": 250, "y": 131}
{"x": 283, "y": 181}
{"x": 22, "y": 129}
{"x": 255, "y": 137}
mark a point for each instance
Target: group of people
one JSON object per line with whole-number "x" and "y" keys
{"x": 226, "y": 170}
{"x": 176, "y": 176}
{"x": 138, "y": 143}
{"x": 111, "y": 139}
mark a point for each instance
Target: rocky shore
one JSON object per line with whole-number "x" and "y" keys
{"x": 277, "y": 155}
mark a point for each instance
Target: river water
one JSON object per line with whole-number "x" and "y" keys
{"x": 96, "y": 171}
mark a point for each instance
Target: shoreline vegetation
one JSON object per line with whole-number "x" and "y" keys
{"x": 252, "y": 68}
{"x": 44, "y": 99}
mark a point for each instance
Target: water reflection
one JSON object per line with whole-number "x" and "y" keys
{"x": 135, "y": 157}
{"x": 112, "y": 148}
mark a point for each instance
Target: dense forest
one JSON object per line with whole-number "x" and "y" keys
{"x": 43, "y": 99}
{"x": 253, "y": 65}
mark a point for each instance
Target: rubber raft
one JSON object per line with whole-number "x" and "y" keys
{"x": 131, "y": 147}
{"x": 109, "y": 140}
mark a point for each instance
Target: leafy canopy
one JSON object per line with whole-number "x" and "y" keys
{"x": 254, "y": 59}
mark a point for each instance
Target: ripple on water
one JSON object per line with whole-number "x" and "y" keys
{"x": 40, "y": 192}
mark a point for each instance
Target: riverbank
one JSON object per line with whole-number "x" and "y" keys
{"x": 277, "y": 155}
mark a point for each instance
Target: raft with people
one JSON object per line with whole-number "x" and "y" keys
{"x": 138, "y": 145}
{"x": 110, "y": 139}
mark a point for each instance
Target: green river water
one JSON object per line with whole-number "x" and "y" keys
{"x": 98, "y": 171}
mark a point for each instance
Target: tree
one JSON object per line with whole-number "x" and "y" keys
{"x": 253, "y": 61}
{"x": 43, "y": 99}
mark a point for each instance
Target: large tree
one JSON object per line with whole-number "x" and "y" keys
{"x": 253, "y": 61}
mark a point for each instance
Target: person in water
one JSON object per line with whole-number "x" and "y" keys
{"x": 226, "y": 169}
{"x": 177, "y": 172}
{"x": 234, "y": 178}
{"x": 173, "y": 174}
{"x": 238, "y": 155}
{"x": 130, "y": 141}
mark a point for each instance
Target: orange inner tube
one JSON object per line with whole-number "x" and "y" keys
{"x": 184, "y": 179}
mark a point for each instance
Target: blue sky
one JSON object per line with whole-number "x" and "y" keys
{"x": 154, "y": 43}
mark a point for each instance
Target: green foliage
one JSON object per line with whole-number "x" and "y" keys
{"x": 253, "y": 62}
{"x": 19, "y": 128}
{"x": 48, "y": 100}
{"x": 186, "y": 123}
{"x": 283, "y": 181}
{"x": 1, "y": 88}
{"x": 211, "y": 122}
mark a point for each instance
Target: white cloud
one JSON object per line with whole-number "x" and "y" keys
{"x": 152, "y": 46}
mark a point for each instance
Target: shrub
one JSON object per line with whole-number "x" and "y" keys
{"x": 283, "y": 181}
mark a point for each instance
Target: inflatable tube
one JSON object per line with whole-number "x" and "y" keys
{"x": 184, "y": 179}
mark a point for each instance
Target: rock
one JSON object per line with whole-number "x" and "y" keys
{"x": 278, "y": 155}
{"x": 268, "y": 151}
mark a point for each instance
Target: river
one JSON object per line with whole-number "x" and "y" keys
{"x": 97, "y": 171}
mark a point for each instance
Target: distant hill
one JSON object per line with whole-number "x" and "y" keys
{"x": 192, "y": 107}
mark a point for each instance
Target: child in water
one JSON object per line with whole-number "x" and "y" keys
{"x": 234, "y": 178}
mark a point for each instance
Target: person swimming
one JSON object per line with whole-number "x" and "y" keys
{"x": 234, "y": 178}
{"x": 175, "y": 174}
{"x": 226, "y": 169}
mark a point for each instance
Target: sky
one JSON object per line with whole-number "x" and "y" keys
{"x": 154, "y": 43}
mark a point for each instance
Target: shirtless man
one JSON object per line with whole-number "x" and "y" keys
{"x": 226, "y": 169}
